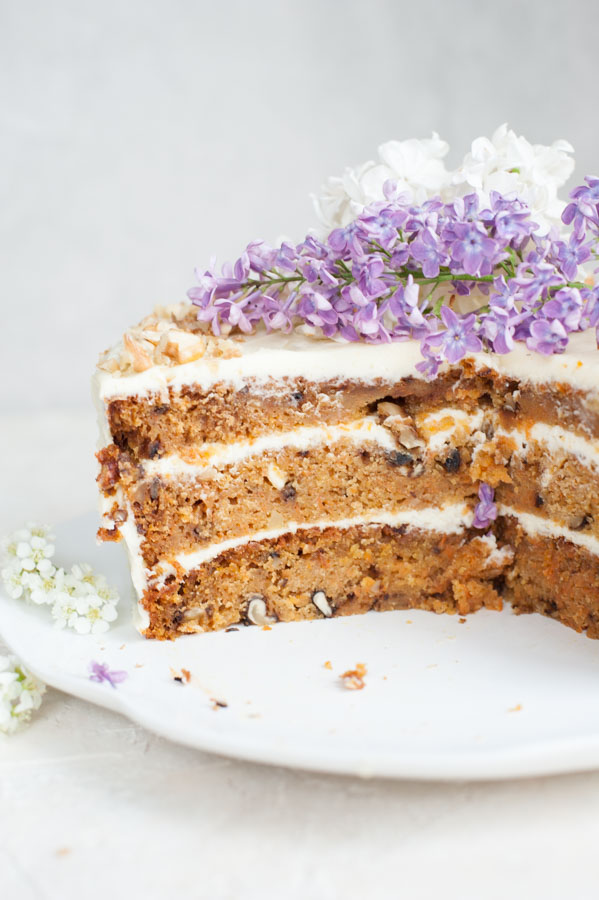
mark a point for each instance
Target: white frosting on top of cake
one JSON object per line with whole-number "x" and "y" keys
{"x": 276, "y": 356}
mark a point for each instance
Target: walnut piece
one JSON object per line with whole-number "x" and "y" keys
{"x": 170, "y": 336}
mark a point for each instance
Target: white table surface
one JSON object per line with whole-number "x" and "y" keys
{"x": 94, "y": 806}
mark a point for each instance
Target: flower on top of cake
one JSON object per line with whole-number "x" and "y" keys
{"x": 440, "y": 257}
{"x": 505, "y": 163}
{"x": 169, "y": 336}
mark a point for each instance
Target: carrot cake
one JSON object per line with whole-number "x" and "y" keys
{"x": 403, "y": 413}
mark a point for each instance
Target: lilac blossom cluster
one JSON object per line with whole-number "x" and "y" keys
{"x": 400, "y": 271}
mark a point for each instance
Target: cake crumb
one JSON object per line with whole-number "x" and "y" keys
{"x": 218, "y": 704}
{"x": 182, "y": 676}
{"x": 266, "y": 628}
{"x": 139, "y": 665}
{"x": 461, "y": 620}
{"x": 63, "y": 851}
{"x": 515, "y": 708}
{"x": 353, "y": 679}
{"x": 328, "y": 664}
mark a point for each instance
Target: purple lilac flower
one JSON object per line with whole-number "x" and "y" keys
{"x": 428, "y": 250}
{"x": 472, "y": 248}
{"x": 384, "y": 226}
{"x": 485, "y": 510}
{"x": 498, "y": 329}
{"x": 583, "y": 211}
{"x": 547, "y": 336}
{"x": 571, "y": 255}
{"x": 458, "y": 338}
{"x": 505, "y": 294}
{"x": 100, "y": 672}
{"x": 348, "y": 239}
{"x": 389, "y": 275}
{"x": 315, "y": 309}
{"x": 368, "y": 276}
{"x": 566, "y": 305}
{"x": 430, "y": 363}
{"x": 535, "y": 280}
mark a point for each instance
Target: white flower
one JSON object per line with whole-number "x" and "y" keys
{"x": 84, "y": 602}
{"x": 79, "y": 599}
{"x": 20, "y": 694}
{"x": 505, "y": 163}
{"x": 40, "y": 587}
{"x": 511, "y": 165}
{"x": 14, "y": 581}
{"x": 30, "y": 549}
{"x": 416, "y": 166}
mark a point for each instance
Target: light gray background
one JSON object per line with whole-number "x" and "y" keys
{"x": 139, "y": 138}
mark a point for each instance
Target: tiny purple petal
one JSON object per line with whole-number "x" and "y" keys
{"x": 100, "y": 672}
{"x": 485, "y": 511}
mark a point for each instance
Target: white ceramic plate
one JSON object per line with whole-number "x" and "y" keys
{"x": 496, "y": 697}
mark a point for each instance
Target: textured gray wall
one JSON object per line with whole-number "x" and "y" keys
{"x": 140, "y": 137}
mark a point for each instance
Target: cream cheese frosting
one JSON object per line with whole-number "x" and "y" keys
{"x": 276, "y": 356}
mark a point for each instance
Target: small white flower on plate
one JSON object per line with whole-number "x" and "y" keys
{"x": 79, "y": 599}
{"x": 20, "y": 694}
{"x": 14, "y": 581}
{"x": 84, "y": 602}
{"x": 40, "y": 586}
{"x": 29, "y": 549}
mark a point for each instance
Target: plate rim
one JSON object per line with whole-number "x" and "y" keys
{"x": 532, "y": 758}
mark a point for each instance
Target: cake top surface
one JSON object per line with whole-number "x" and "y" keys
{"x": 422, "y": 268}
{"x": 196, "y": 356}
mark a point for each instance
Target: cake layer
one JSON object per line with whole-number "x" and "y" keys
{"x": 331, "y": 481}
{"x": 553, "y": 576}
{"x": 554, "y": 484}
{"x": 150, "y": 427}
{"x": 317, "y": 573}
{"x": 312, "y": 473}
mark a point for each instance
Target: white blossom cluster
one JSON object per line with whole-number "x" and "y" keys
{"x": 79, "y": 599}
{"x": 505, "y": 163}
{"x": 20, "y": 694}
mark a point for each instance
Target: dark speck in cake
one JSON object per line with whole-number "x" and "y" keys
{"x": 399, "y": 458}
{"x": 154, "y": 449}
{"x": 288, "y": 492}
{"x": 539, "y": 501}
{"x": 452, "y": 461}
